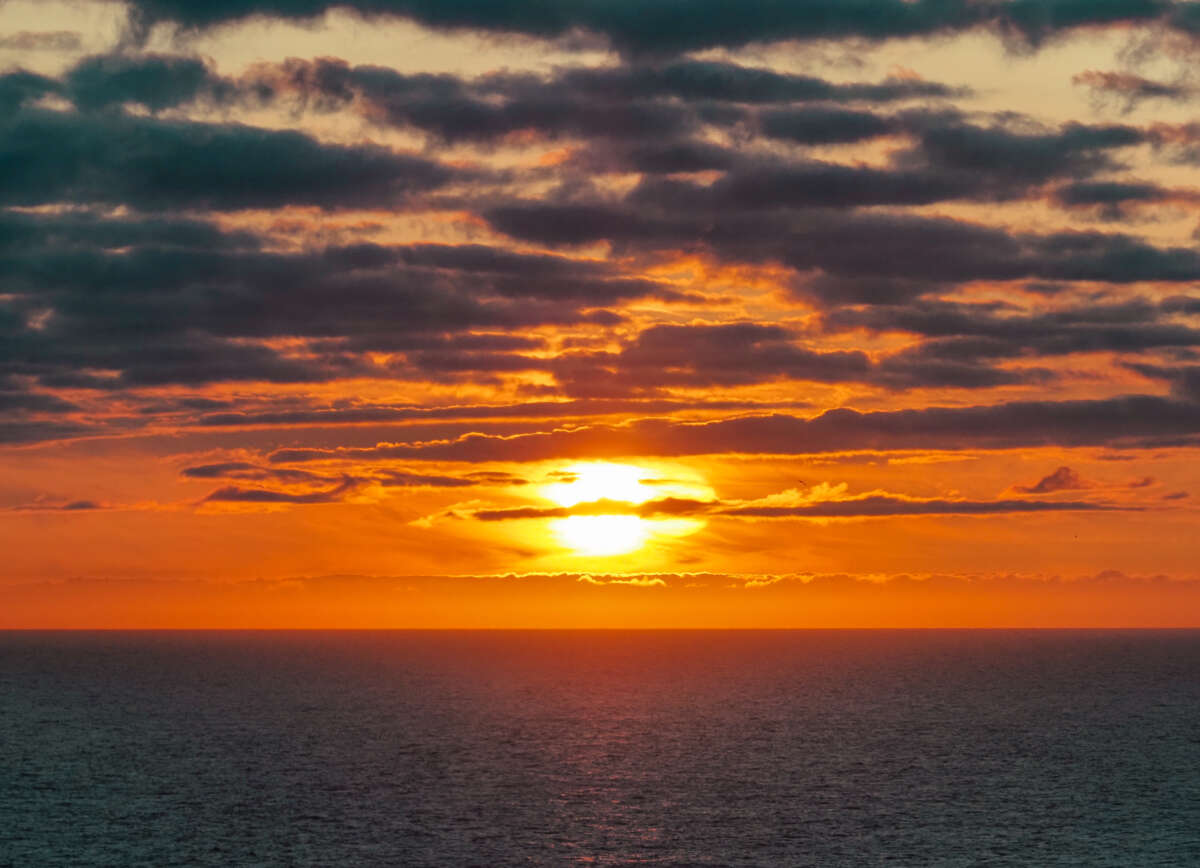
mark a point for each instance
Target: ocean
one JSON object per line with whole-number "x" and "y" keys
{"x": 789, "y": 748}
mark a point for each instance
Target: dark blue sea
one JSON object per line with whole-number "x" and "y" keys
{"x": 837, "y": 748}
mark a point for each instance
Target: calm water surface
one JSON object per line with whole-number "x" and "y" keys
{"x": 944, "y": 748}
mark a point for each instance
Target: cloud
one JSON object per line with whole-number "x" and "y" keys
{"x": 69, "y": 506}
{"x": 882, "y": 506}
{"x": 714, "y": 600}
{"x": 402, "y": 479}
{"x": 357, "y": 415}
{"x": 974, "y": 332}
{"x": 156, "y": 81}
{"x": 656, "y": 27}
{"x": 20, "y": 87}
{"x": 861, "y": 506}
{"x": 1127, "y": 89}
{"x": 856, "y": 252}
{"x": 246, "y": 470}
{"x": 237, "y": 494}
{"x": 1128, "y": 421}
{"x": 732, "y": 354}
{"x": 341, "y": 487}
{"x": 631, "y": 581}
{"x": 647, "y": 102}
{"x": 825, "y": 125}
{"x": 37, "y": 431}
{"x": 152, "y": 164}
{"x": 168, "y": 301}
{"x": 951, "y": 160}
{"x": 25, "y": 401}
{"x": 1183, "y": 379}
{"x": 1062, "y": 479}
{"x": 644, "y": 101}
{"x": 43, "y": 40}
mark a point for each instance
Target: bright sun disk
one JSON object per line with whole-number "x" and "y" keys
{"x": 616, "y": 534}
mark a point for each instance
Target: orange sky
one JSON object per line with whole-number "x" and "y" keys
{"x": 412, "y": 321}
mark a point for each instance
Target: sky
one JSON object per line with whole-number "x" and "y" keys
{"x": 599, "y": 313}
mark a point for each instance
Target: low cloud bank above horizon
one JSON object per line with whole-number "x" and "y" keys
{"x": 603, "y": 600}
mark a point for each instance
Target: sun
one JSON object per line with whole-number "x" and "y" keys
{"x": 582, "y": 483}
{"x": 619, "y": 533}
{"x": 602, "y": 535}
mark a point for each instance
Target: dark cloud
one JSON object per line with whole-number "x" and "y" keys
{"x": 708, "y": 355}
{"x": 880, "y": 506}
{"x": 733, "y": 354}
{"x": 799, "y": 185}
{"x": 1062, "y": 479}
{"x": 657, "y": 158}
{"x": 21, "y": 87}
{"x": 706, "y": 80}
{"x": 1111, "y": 200}
{"x": 825, "y": 125}
{"x": 156, "y": 81}
{"x": 1003, "y": 157}
{"x": 342, "y": 486}
{"x": 528, "y": 410}
{"x": 17, "y": 400}
{"x": 70, "y": 506}
{"x": 236, "y": 494}
{"x": 401, "y": 479}
{"x": 454, "y": 110}
{"x": 1184, "y": 380}
{"x": 1109, "y": 193}
{"x": 645, "y": 103}
{"x": 23, "y": 431}
{"x": 869, "y": 506}
{"x": 149, "y": 164}
{"x": 147, "y": 299}
{"x": 967, "y": 333}
{"x": 178, "y": 301}
{"x": 248, "y": 471}
{"x": 1181, "y": 304}
{"x": 952, "y": 160}
{"x": 1126, "y": 421}
{"x": 657, "y": 26}
{"x": 42, "y": 40}
{"x": 1128, "y": 89}
{"x": 46, "y": 235}
{"x": 496, "y": 477}
{"x": 861, "y": 256}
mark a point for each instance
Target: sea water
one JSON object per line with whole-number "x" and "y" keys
{"x": 822, "y": 748}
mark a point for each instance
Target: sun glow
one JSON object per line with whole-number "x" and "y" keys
{"x": 603, "y": 534}
{"x": 581, "y": 483}
{"x": 617, "y": 533}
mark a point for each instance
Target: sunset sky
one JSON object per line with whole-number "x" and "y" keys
{"x": 599, "y": 313}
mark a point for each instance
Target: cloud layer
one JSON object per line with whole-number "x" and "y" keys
{"x": 317, "y": 289}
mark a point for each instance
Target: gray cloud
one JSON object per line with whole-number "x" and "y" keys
{"x": 1128, "y": 89}
{"x": 41, "y": 40}
{"x": 1062, "y": 479}
{"x": 1126, "y": 421}
{"x": 869, "y": 506}
{"x": 657, "y": 27}
{"x": 150, "y": 164}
